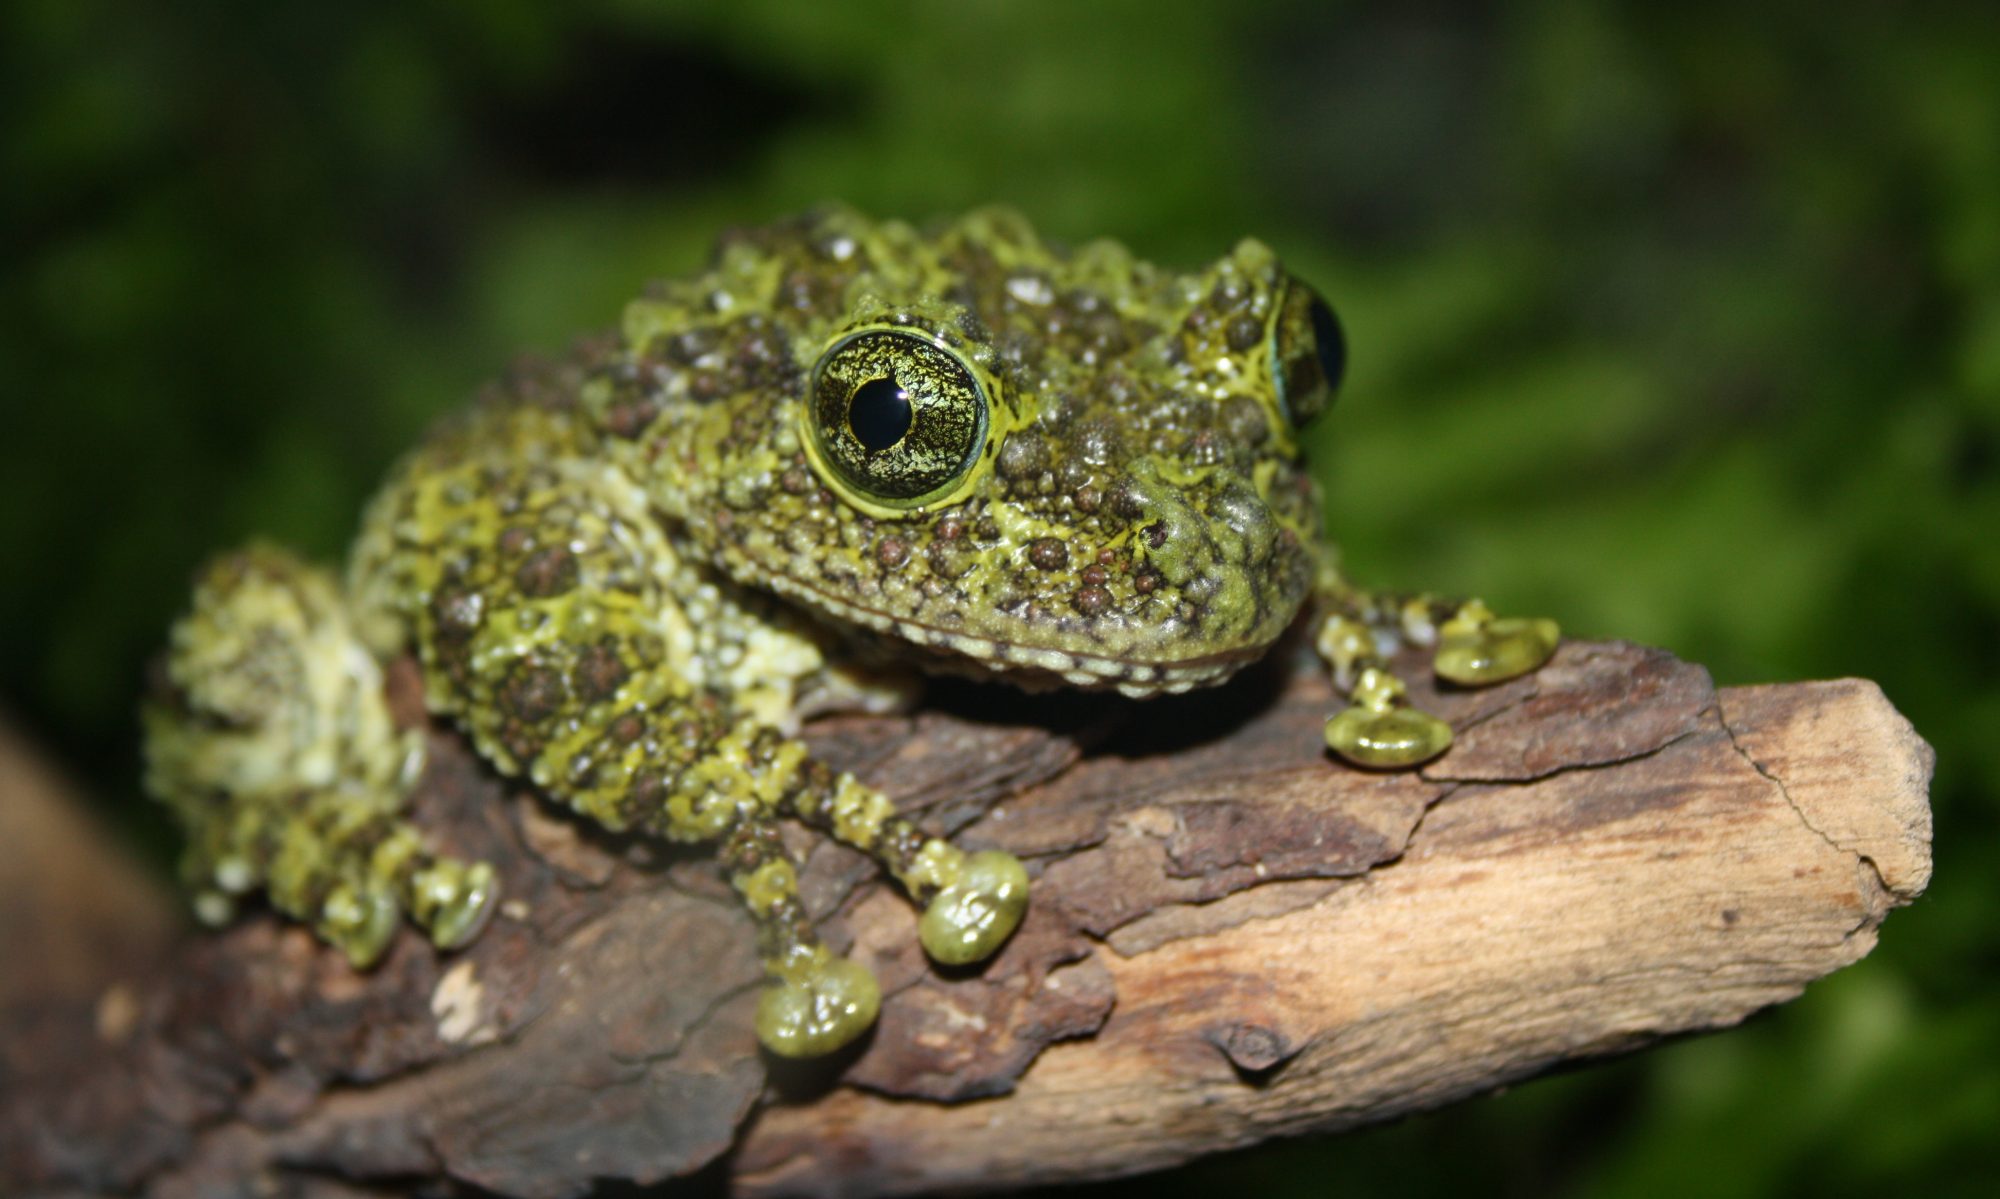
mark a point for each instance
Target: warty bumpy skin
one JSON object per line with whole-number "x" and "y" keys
{"x": 846, "y": 449}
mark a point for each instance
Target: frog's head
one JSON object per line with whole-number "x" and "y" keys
{"x": 1047, "y": 464}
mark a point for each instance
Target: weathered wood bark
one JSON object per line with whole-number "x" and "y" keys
{"x": 1232, "y": 938}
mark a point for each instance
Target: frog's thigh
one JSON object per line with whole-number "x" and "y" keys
{"x": 273, "y": 744}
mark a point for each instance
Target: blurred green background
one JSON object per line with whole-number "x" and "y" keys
{"x": 1678, "y": 322}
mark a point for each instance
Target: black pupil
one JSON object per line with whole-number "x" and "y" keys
{"x": 879, "y": 414}
{"x": 1329, "y": 343}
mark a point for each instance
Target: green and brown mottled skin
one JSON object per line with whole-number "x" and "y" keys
{"x": 845, "y": 449}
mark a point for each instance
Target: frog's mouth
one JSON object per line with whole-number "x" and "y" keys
{"x": 1034, "y": 668}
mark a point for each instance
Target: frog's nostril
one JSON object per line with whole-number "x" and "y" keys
{"x": 1243, "y": 512}
{"x": 1128, "y": 499}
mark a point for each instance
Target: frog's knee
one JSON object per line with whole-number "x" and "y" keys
{"x": 267, "y": 692}
{"x": 819, "y": 1003}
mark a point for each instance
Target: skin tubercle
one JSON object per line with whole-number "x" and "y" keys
{"x": 623, "y": 573}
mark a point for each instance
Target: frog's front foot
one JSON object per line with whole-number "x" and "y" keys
{"x": 1381, "y": 730}
{"x": 1476, "y": 648}
{"x": 973, "y": 915}
{"x": 1471, "y": 647}
{"x": 819, "y": 1003}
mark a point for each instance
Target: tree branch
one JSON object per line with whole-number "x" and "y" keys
{"x": 1232, "y": 938}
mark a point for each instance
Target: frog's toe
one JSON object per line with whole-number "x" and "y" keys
{"x": 359, "y": 919}
{"x": 1476, "y": 648}
{"x": 1387, "y": 739}
{"x": 973, "y": 916}
{"x": 817, "y": 1006}
{"x": 453, "y": 900}
{"x": 214, "y": 908}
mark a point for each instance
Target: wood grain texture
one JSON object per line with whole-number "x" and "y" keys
{"x": 1232, "y": 939}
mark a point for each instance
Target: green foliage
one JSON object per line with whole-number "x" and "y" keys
{"x": 1681, "y": 323}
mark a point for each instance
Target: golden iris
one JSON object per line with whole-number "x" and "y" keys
{"x": 896, "y": 417}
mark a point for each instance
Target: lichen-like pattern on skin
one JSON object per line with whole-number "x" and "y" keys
{"x": 848, "y": 446}
{"x": 274, "y": 744}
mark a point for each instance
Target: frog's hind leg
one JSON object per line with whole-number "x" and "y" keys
{"x": 271, "y": 740}
{"x": 1359, "y": 631}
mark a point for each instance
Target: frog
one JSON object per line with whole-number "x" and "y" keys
{"x": 845, "y": 453}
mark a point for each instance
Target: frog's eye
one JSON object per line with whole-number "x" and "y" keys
{"x": 896, "y": 418}
{"x": 1308, "y": 354}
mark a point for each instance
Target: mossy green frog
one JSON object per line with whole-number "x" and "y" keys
{"x": 845, "y": 449}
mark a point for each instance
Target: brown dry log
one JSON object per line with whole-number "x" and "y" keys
{"x": 1232, "y": 938}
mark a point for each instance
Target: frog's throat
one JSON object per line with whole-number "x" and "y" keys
{"x": 1032, "y": 667}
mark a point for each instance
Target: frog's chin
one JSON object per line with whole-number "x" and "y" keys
{"x": 1038, "y": 670}
{"x": 1030, "y": 667}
